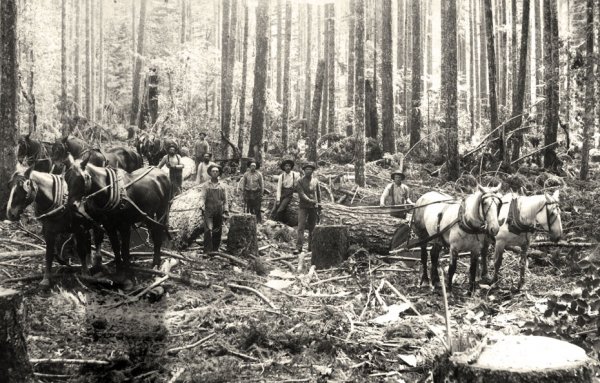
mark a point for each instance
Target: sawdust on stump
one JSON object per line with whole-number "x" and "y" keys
{"x": 329, "y": 245}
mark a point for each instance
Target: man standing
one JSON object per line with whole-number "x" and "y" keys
{"x": 396, "y": 193}
{"x": 286, "y": 185}
{"x": 200, "y": 148}
{"x": 213, "y": 202}
{"x": 173, "y": 162}
{"x": 202, "y": 171}
{"x": 309, "y": 205}
{"x": 252, "y": 186}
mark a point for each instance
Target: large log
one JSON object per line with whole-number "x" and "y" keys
{"x": 241, "y": 238}
{"x": 14, "y": 360}
{"x": 329, "y": 245}
{"x": 518, "y": 359}
{"x": 185, "y": 218}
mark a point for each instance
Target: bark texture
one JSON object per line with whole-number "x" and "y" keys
{"x": 242, "y": 239}
{"x": 313, "y": 126}
{"x": 387, "y": 80}
{"x": 359, "y": 94}
{"x": 329, "y": 245}
{"x": 449, "y": 85}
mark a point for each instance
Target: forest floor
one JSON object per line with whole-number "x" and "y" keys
{"x": 350, "y": 323}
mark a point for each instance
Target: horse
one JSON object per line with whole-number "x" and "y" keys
{"x": 49, "y": 192}
{"x": 521, "y": 214}
{"x": 118, "y": 199}
{"x": 34, "y": 153}
{"x": 459, "y": 225}
{"x": 152, "y": 148}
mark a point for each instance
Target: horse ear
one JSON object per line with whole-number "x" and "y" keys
{"x": 497, "y": 188}
{"x": 27, "y": 173}
{"x": 480, "y": 188}
{"x": 556, "y": 194}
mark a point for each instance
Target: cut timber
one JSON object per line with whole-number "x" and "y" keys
{"x": 241, "y": 239}
{"x": 186, "y": 219}
{"x": 329, "y": 245}
{"x": 519, "y": 359}
{"x": 14, "y": 365}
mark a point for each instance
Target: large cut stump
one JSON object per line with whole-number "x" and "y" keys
{"x": 518, "y": 359}
{"x": 14, "y": 360}
{"x": 329, "y": 245}
{"x": 241, "y": 239}
{"x": 185, "y": 218}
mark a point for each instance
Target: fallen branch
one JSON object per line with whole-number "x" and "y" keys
{"x": 195, "y": 344}
{"x": 14, "y": 242}
{"x": 256, "y": 292}
{"x": 340, "y": 278}
{"x": 140, "y": 294}
{"x": 233, "y": 259}
{"x": 91, "y": 362}
{"x": 446, "y": 310}
{"x": 177, "y": 278}
{"x": 23, "y": 253}
{"x": 563, "y": 244}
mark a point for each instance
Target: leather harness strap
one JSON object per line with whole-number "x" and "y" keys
{"x": 59, "y": 197}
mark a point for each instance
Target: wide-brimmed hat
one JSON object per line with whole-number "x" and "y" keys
{"x": 253, "y": 161}
{"x": 309, "y": 165}
{"x": 284, "y": 162}
{"x": 211, "y": 167}
{"x": 202, "y": 133}
{"x": 398, "y": 172}
{"x": 171, "y": 144}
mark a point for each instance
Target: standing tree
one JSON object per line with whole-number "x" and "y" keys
{"x": 88, "y": 60}
{"x": 387, "y": 80}
{"x": 280, "y": 48}
{"x": 589, "y": 92}
{"x": 8, "y": 97}
{"x": 286, "y": 76}
{"x": 101, "y": 59}
{"x": 359, "y": 93}
{"x": 313, "y": 126}
{"x": 242, "y": 117}
{"x": 351, "y": 54}
{"x": 229, "y": 22}
{"x": 77, "y": 59}
{"x": 331, "y": 70}
{"x": 307, "y": 80}
{"x": 417, "y": 71}
{"x": 137, "y": 74}
{"x": 63, "y": 61}
{"x": 182, "y": 30}
{"x": 491, "y": 52}
{"x": 325, "y": 100}
{"x": 449, "y": 86}
{"x": 551, "y": 75}
{"x": 259, "y": 97}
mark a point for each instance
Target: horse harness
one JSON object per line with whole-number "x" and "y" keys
{"x": 516, "y": 226}
{"x": 59, "y": 196}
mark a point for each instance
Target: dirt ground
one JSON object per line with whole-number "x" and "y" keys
{"x": 366, "y": 320}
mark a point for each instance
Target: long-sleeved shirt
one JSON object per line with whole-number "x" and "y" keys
{"x": 202, "y": 172}
{"x": 288, "y": 181}
{"x": 308, "y": 192}
{"x": 170, "y": 161}
{"x": 200, "y": 148}
{"x": 223, "y": 200}
{"x": 394, "y": 195}
{"x": 252, "y": 180}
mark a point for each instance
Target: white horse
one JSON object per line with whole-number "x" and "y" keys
{"x": 459, "y": 225}
{"x": 520, "y": 216}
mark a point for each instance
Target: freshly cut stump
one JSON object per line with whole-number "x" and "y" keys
{"x": 241, "y": 239}
{"x": 329, "y": 245}
{"x": 14, "y": 360}
{"x": 186, "y": 219}
{"x": 519, "y": 359}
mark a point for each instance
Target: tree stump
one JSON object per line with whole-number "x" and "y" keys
{"x": 329, "y": 245}
{"x": 241, "y": 239}
{"x": 518, "y": 359}
{"x": 14, "y": 360}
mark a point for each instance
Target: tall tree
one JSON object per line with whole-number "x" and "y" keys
{"x": 449, "y": 86}
{"x": 417, "y": 70}
{"x": 8, "y": 97}
{"x": 359, "y": 94}
{"x": 331, "y": 70}
{"x": 387, "y": 80}
{"x": 259, "y": 97}
{"x": 286, "y": 75}
{"x": 280, "y": 37}
{"x": 491, "y": 52}
{"x": 183, "y": 27}
{"x": 229, "y": 22}
{"x": 242, "y": 117}
{"x": 133, "y": 38}
{"x": 63, "y": 60}
{"x": 92, "y": 34}
{"x": 313, "y": 126}
{"x": 551, "y": 77}
{"x": 483, "y": 62}
{"x": 135, "y": 100}
{"x": 77, "y": 59}
{"x": 472, "y": 66}
{"x": 101, "y": 58}
{"x": 307, "y": 68}
{"x": 88, "y": 60}
{"x": 325, "y": 100}
{"x": 588, "y": 120}
{"x": 350, "y": 82}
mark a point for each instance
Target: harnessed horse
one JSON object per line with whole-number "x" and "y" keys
{"x": 117, "y": 200}
{"x": 520, "y": 215}
{"x": 33, "y": 153}
{"x": 459, "y": 225}
{"x": 152, "y": 148}
{"x": 49, "y": 192}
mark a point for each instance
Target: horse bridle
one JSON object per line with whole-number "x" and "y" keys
{"x": 551, "y": 218}
{"x": 497, "y": 201}
{"x": 31, "y": 188}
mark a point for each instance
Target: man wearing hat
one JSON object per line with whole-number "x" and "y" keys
{"x": 308, "y": 206}
{"x": 286, "y": 185}
{"x": 396, "y": 193}
{"x": 202, "y": 171}
{"x": 252, "y": 186}
{"x": 173, "y": 162}
{"x": 214, "y": 204}
{"x": 200, "y": 147}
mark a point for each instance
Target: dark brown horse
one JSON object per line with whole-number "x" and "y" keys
{"x": 34, "y": 153}
{"x": 151, "y": 147}
{"x": 118, "y": 157}
{"x": 117, "y": 200}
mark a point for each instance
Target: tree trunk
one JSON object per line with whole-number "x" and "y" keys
{"x": 313, "y": 126}
{"x": 101, "y": 60}
{"x": 359, "y": 92}
{"x": 351, "y": 55}
{"x": 551, "y": 73}
{"x": 280, "y": 37}
{"x": 449, "y": 86}
{"x": 183, "y": 23}
{"x": 152, "y": 96}
{"x": 8, "y": 98}
{"x": 489, "y": 24}
{"x": 407, "y": 61}
{"x": 135, "y": 100}
{"x": 242, "y": 238}
{"x": 133, "y": 49}
{"x": 92, "y": 90}
{"x": 77, "y": 60}
{"x": 417, "y": 71}
{"x": 15, "y": 366}
{"x": 589, "y": 92}
{"x": 88, "y": 61}
{"x": 483, "y": 64}
{"x": 387, "y": 80}
{"x": 286, "y": 77}
{"x": 242, "y": 116}
{"x": 307, "y": 68}
{"x": 400, "y": 35}
{"x": 227, "y": 65}
{"x": 514, "y": 52}
{"x": 539, "y": 56}
{"x": 371, "y": 122}
{"x": 63, "y": 61}
{"x": 472, "y": 69}
{"x": 331, "y": 70}
{"x": 259, "y": 97}
{"x": 324, "y": 114}
{"x": 329, "y": 245}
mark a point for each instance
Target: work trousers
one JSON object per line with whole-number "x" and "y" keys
{"x": 253, "y": 201}
{"x": 307, "y": 219}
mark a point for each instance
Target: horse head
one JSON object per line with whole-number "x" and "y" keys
{"x": 549, "y": 216}
{"x": 24, "y": 144}
{"x": 489, "y": 202}
{"x": 59, "y": 151}
{"x": 22, "y": 194}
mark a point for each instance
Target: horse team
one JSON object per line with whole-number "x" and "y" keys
{"x": 113, "y": 190}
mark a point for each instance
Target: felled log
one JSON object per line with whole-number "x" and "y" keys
{"x": 329, "y": 245}
{"x": 189, "y": 167}
{"x": 15, "y": 366}
{"x": 186, "y": 219}
{"x": 518, "y": 359}
{"x": 241, "y": 239}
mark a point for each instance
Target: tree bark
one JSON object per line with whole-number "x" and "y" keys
{"x": 359, "y": 93}
{"x": 417, "y": 71}
{"x": 242, "y": 238}
{"x": 101, "y": 60}
{"x": 313, "y": 127}
{"x": 307, "y": 68}
{"x": 229, "y": 22}
{"x": 483, "y": 63}
{"x": 331, "y": 71}
{"x": 387, "y": 80}
{"x": 259, "y": 97}
{"x": 242, "y": 116}
{"x": 135, "y": 100}
{"x": 8, "y": 98}
{"x": 324, "y": 114}
{"x": 15, "y": 366}
{"x": 329, "y": 246}
{"x": 183, "y": 28}
{"x": 63, "y": 60}
{"x": 491, "y": 52}
{"x": 88, "y": 61}
{"x": 551, "y": 73}
{"x": 449, "y": 86}
{"x": 351, "y": 54}
{"x": 371, "y": 122}
{"x": 286, "y": 77}
{"x": 589, "y": 92}
{"x": 280, "y": 37}
{"x": 77, "y": 59}
{"x": 472, "y": 70}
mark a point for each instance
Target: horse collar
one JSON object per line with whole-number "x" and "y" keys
{"x": 464, "y": 223}
{"x": 59, "y": 197}
{"x": 515, "y": 225}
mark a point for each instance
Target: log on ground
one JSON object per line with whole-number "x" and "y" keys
{"x": 186, "y": 219}
{"x": 518, "y": 359}
{"x": 14, "y": 365}
{"x": 329, "y": 245}
{"x": 241, "y": 238}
